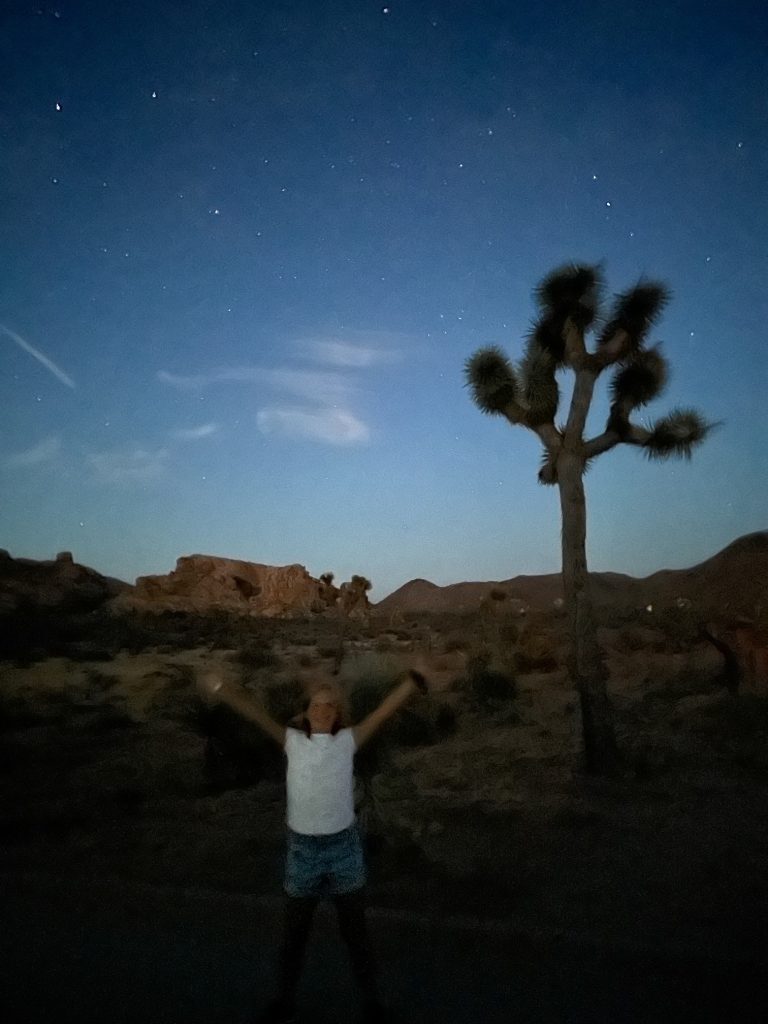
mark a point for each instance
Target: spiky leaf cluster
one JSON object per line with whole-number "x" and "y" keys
{"x": 491, "y": 379}
{"x": 539, "y": 384}
{"x": 640, "y": 380}
{"x": 547, "y": 336}
{"x": 635, "y": 312}
{"x": 676, "y": 434}
{"x": 572, "y": 290}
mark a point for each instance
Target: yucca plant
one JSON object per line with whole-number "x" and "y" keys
{"x": 527, "y": 394}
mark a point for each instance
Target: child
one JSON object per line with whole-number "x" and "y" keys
{"x": 324, "y": 851}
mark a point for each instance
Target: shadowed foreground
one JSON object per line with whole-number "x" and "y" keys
{"x": 120, "y": 954}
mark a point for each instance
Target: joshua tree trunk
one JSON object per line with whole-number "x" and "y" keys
{"x": 587, "y": 667}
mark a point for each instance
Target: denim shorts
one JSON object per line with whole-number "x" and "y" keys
{"x": 317, "y": 866}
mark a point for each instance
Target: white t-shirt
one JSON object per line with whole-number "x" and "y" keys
{"x": 319, "y": 781}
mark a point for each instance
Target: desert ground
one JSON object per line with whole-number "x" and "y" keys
{"x": 474, "y": 802}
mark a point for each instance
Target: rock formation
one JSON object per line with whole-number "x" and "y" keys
{"x": 55, "y": 585}
{"x": 204, "y": 583}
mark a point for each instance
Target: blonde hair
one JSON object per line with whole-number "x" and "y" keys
{"x": 324, "y": 684}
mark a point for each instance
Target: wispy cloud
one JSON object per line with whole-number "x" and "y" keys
{"x": 47, "y": 363}
{"x": 46, "y": 450}
{"x": 358, "y": 352}
{"x": 317, "y": 385}
{"x": 325, "y": 386}
{"x": 195, "y": 433}
{"x": 327, "y": 425}
{"x": 133, "y": 467}
{"x": 190, "y": 382}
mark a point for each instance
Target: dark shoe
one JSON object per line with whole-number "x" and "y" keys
{"x": 278, "y": 1012}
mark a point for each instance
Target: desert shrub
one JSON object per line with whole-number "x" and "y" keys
{"x": 366, "y": 693}
{"x": 680, "y": 626}
{"x": 16, "y": 713}
{"x": 237, "y": 754}
{"x": 28, "y": 634}
{"x": 632, "y": 639}
{"x": 112, "y": 720}
{"x": 687, "y": 681}
{"x": 284, "y": 700}
{"x": 736, "y": 728}
{"x": 614, "y": 617}
{"x": 330, "y": 650}
{"x": 98, "y": 683}
{"x": 176, "y": 698}
{"x": 488, "y": 686}
{"x": 445, "y": 720}
{"x": 455, "y": 642}
{"x": 527, "y": 663}
{"x": 370, "y": 669}
{"x": 255, "y": 654}
{"x": 419, "y": 723}
{"x": 509, "y": 632}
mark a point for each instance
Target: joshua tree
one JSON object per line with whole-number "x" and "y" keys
{"x": 528, "y": 395}
{"x": 352, "y": 595}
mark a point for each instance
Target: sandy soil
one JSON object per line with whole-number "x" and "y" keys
{"x": 104, "y": 775}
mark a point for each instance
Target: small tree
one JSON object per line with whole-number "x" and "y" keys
{"x": 528, "y": 395}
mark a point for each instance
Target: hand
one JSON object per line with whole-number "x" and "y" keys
{"x": 420, "y": 664}
{"x": 417, "y": 675}
{"x": 211, "y": 683}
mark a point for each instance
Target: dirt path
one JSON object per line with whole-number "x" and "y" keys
{"x": 127, "y": 954}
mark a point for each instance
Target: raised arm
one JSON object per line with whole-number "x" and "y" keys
{"x": 215, "y": 687}
{"x": 414, "y": 682}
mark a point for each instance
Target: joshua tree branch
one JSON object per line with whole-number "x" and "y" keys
{"x": 602, "y": 443}
{"x": 550, "y": 436}
{"x": 614, "y": 349}
{"x": 573, "y": 336}
{"x": 515, "y": 414}
{"x": 583, "y": 387}
{"x": 610, "y": 438}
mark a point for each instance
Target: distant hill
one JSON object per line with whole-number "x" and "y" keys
{"x": 734, "y": 581}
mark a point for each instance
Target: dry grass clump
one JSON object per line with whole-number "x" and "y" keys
{"x": 489, "y": 683}
{"x": 456, "y": 642}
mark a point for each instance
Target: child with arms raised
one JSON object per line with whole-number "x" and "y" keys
{"x": 324, "y": 856}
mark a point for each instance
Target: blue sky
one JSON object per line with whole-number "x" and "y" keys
{"x": 247, "y": 248}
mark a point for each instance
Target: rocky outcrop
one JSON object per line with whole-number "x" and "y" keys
{"x": 54, "y": 585}
{"x": 205, "y": 583}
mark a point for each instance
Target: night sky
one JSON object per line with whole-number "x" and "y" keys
{"x": 247, "y": 247}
